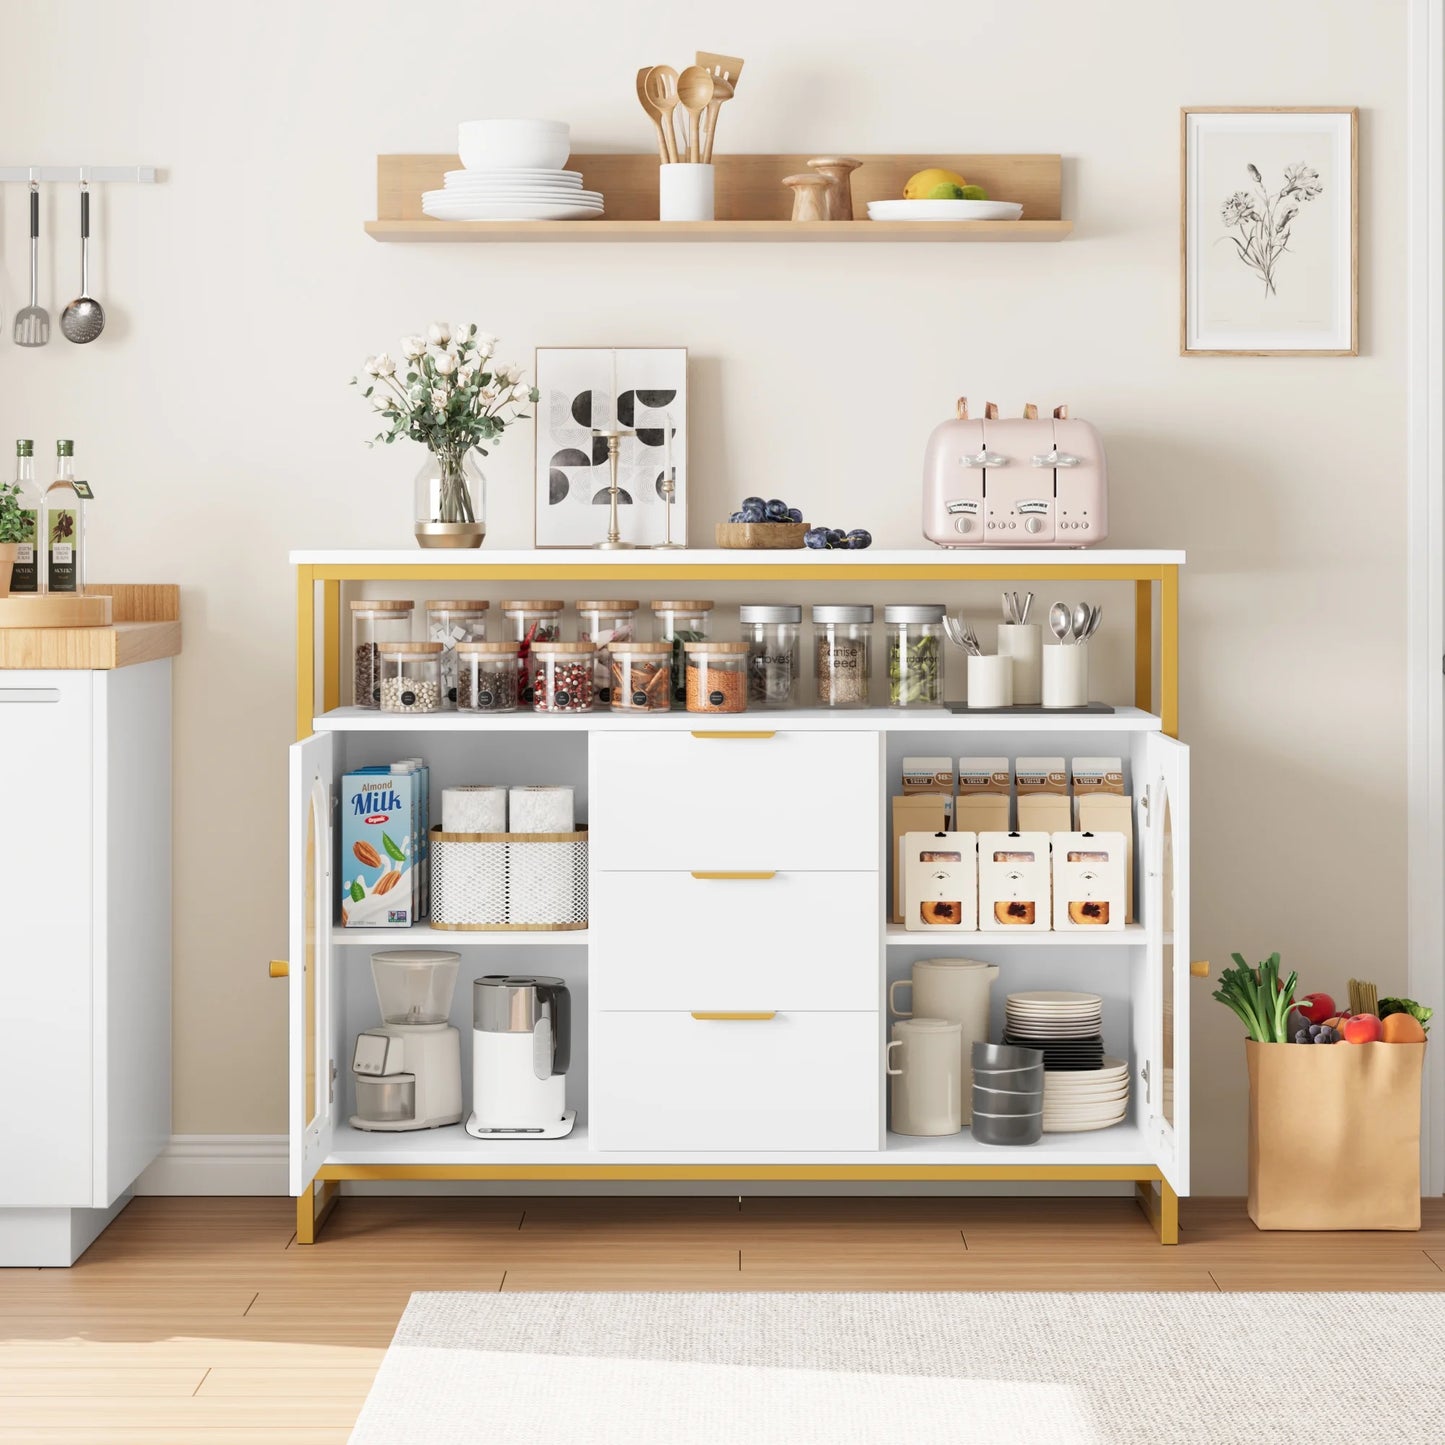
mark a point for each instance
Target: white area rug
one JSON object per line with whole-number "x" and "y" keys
{"x": 911, "y": 1369}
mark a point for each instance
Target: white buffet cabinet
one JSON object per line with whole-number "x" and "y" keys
{"x": 85, "y": 949}
{"x": 675, "y": 804}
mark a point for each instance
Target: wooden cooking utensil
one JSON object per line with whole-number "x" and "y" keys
{"x": 728, "y": 65}
{"x": 654, "y": 114}
{"x": 661, "y": 87}
{"x": 722, "y": 89}
{"x": 694, "y": 94}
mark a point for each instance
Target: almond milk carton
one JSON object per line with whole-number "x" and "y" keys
{"x": 380, "y": 821}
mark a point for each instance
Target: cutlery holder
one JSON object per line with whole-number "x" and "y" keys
{"x": 1066, "y": 675}
{"x": 1023, "y": 644}
{"x": 990, "y": 682}
{"x": 685, "y": 192}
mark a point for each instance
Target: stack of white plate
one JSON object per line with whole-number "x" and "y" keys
{"x": 1075, "y": 1101}
{"x": 513, "y": 173}
{"x": 1067, "y": 1026}
{"x": 944, "y": 210}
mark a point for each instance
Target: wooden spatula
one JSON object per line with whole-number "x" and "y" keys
{"x": 724, "y": 69}
{"x": 728, "y": 65}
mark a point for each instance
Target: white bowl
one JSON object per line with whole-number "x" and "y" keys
{"x": 513, "y": 144}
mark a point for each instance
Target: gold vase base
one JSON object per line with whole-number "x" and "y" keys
{"x": 450, "y": 534}
{"x": 614, "y": 546}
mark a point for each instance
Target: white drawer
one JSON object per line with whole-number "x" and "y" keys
{"x": 785, "y": 941}
{"x": 794, "y": 1081}
{"x": 724, "y": 800}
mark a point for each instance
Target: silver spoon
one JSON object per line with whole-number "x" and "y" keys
{"x": 1093, "y": 626}
{"x": 1059, "y": 621}
{"x": 1082, "y": 614}
{"x": 84, "y": 319}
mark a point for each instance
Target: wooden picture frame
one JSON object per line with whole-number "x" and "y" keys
{"x": 1248, "y": 285}
{"x": 571, "y": 379}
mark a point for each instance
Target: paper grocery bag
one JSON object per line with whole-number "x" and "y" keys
{"x": 1334, "y": 1135}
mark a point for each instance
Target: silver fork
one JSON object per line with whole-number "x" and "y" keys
{"x": 960, "y": 634}
{"x": 32, "y": 323}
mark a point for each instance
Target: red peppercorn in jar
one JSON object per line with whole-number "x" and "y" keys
{"x": 562, "y": 677}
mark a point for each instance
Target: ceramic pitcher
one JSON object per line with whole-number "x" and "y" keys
{"x": 925, "y": 1063}
{"x": 956, "y": 989}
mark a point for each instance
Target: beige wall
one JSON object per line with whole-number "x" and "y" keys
{"x": 216, "y": 423}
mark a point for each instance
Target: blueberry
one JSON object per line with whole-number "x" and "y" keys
{"x": 777, "y": 511}
{"x": 816, "y": 537}
{"x": 795, "y": 514}
{"x": 754, "y": 512}
{"x": 859, "y": 538}
{"x": 753, "y": 501}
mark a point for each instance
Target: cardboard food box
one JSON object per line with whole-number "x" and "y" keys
{"x": 984, "y": 789}
{"x": 378, "y": 872}
{"x": 919, "y": 813}
{"x": 1043, "y": 795}
{"x": 1088, "y": 881}
{"x": 1102, "y": 806}
{"x": 932, "y": 776}
{"x": 1014, "y": 882}
{"x": 940, "y": 882}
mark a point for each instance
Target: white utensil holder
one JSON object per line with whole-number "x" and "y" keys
{"x": 1066, "y": 675}
{"x": 990, "y": 682}
{"x": 685, "y": 192}
{"x": 1023, "y": 644}
{"x": 509, "y": 882}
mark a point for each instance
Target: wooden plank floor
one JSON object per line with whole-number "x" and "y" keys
{"x": 201, "y": 1319}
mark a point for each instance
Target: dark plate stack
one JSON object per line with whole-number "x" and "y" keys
{"x": 1067, "y": 1026}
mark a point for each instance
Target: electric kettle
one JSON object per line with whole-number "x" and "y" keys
{"x": 521, "y": 1047}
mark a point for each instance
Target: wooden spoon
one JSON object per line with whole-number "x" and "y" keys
{"x": 722, "y": 89}
{"x": 661, "y": 87}
{"x": 654, "y": 114}
{"x": 694, "y": 94}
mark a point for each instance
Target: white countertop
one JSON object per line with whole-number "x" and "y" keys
{"x": 564, "y": 557}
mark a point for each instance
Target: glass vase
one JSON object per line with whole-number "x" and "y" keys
{"x": 451, "y": 501}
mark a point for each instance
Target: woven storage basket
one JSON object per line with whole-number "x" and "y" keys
{"x": 509, "y": 882}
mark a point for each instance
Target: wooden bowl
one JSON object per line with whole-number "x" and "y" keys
{"x": 761, "y": 536}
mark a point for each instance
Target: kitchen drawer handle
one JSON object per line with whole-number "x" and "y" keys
{"x": 735, "y": 875}
{"x": 734, "y": 735}
{"x": 737, "y": 1017}
{"x": 29, "y": 694}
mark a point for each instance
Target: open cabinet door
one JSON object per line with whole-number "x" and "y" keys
{"x": 313, "y": 1069}
{"x": 1165, "y": 811}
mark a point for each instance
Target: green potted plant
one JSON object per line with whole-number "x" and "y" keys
{"x": 14, "y": 529}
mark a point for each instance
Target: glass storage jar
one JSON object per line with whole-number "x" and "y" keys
{"x": 841, "y": 654}
{"x": 451, "y": 622}
{"x": 640, "y": 676}
{"x": 562, "y": 680}
{"x": 411, "y": 676}
{"x": 602, "y": 623}
{"x": 680, "y": 623}
{"x": 486, "y": 676}
{"x": 771, "y": 633}
{"x": 717, "y": 676}
{"x": 527, "y": 623}
{"x": 373, "y": 622}
{"x": 915, "y": 654}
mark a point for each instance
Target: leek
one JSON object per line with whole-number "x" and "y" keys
{"x": 1256, "y": 995}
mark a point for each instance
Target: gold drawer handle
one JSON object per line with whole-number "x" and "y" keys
{"x": 1200, "y": 968}
{"x": 735, "y": 735}
{"x": 735, "y": 875}
{"x": 280, "y": 968}
{"x": 747, "y": 1017}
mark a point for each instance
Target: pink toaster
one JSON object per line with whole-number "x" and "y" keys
{"x": 1015, "y": 483}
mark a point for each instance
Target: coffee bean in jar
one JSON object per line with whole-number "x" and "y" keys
{"x": 374, "y": 621}
{"x": 487, "y": 676}
{"x": 717, "y": 676}
{"x": 411, "y": 676}
{"x": 562, "y": 677}
{"x": 640, "y": 676}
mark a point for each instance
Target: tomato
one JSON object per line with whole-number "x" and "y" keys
{"x": 1316, "y": 1007}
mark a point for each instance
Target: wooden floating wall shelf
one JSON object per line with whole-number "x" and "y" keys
{"x": 752, "y": 202}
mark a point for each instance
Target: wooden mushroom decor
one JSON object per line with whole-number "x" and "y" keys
{"x": 838, "y": 171}
{"x": 809, "y": 196}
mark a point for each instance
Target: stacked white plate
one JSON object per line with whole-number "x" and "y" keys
{"x": 944, "y": 210}
{"x": 1075, "y": 1102}
{"x": 1067, "y": 1026}
{"x": 509, "y": 194}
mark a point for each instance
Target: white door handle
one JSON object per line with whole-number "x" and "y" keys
{"x": 29, "y": 694}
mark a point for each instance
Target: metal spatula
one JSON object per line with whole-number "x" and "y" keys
{"x": 32, "y": 323}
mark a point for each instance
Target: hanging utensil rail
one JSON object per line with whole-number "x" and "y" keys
{"x": 141, "y": 175}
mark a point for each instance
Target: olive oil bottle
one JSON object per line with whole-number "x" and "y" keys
{"x": 64, "y": 526}
{"x": 28, "y": 575}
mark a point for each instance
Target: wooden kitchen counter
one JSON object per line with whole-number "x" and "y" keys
{"x": 145, "y": 625}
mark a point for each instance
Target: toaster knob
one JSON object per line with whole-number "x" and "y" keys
{"x": 1033, "y": 524}
{"x": 963, "y": 524}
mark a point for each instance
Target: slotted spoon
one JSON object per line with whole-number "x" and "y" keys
{"x": 32, "y": 323}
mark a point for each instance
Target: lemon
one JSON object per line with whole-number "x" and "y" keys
{"x": 920, "y": 185}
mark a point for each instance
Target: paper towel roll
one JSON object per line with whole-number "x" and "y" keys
{"x": 541, "y": 810}
{"x": 478, "y": 809}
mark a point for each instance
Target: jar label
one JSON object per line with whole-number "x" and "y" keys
{"x": 408, "y": 699}
{"x": 484, "y": 699}
{"x": 563, "y": 699}
{"x": 451, "y": 694}
{"x": 639, "y": 699}
{"x": 717, "y": 698}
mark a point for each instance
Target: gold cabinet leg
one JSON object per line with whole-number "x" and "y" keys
{"x": 1144, "y": 646}
{"x": 305, "y": 651}
{"x": 1169, "y": 651}
{"x": 312, "y": 1209}
{"x": 1161, "y": 1210}
{"x": 330, "y": 644}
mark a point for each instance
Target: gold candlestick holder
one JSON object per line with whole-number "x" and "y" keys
{"x": 669, "y": 491}
{"x": 614, "y": 435}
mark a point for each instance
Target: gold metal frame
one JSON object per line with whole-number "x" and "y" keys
{"x": 1155, "y": 1197}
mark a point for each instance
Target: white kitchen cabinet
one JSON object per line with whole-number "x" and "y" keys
{"x": 729, "y": 989}
{"x": 85, "y": 949}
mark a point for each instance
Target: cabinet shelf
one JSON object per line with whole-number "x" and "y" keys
{"x": 718, "y": 231}
{"x": 423, "y": 935}
{"x": 1132, "y": 935}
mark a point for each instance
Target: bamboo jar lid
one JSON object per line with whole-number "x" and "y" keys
{"x": 376, "y": 604}
{"x": 465, "y": 604}
{"x": 488, "y": 649}
{"x": 617, "y": 606}
{"x": 558, "y": 649}
{"x": 393, "y": 649}
{"x": 640, "y": 649}
{"x": 729, "y": 648}
{"x": 682, "y": 606}
{"x": 529, "y": 605}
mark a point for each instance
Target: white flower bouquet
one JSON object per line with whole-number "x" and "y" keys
{"x": 1264, "y": 220}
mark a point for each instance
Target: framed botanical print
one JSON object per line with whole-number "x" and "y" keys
{"x": 1269, "y": 231}
{"x": 641, "y": 390}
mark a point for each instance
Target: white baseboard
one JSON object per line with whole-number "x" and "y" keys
{"x": 218, "y": 1164}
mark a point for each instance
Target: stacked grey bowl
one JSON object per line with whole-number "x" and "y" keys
{"x": 1008, "y": 1094}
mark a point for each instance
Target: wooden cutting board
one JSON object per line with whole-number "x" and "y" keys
{"x": 114, "y": 625}
{"x": 55, "y": 610}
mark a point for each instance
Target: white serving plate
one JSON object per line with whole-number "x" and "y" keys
{"x": 1053, "y": 1127}
{"x": 944, "y": 210}
{"x": 514, "y": 188}
{"x": 509, "y": 173}
{"x": 509, "y": 211}
{"x": 559, "y": 196}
